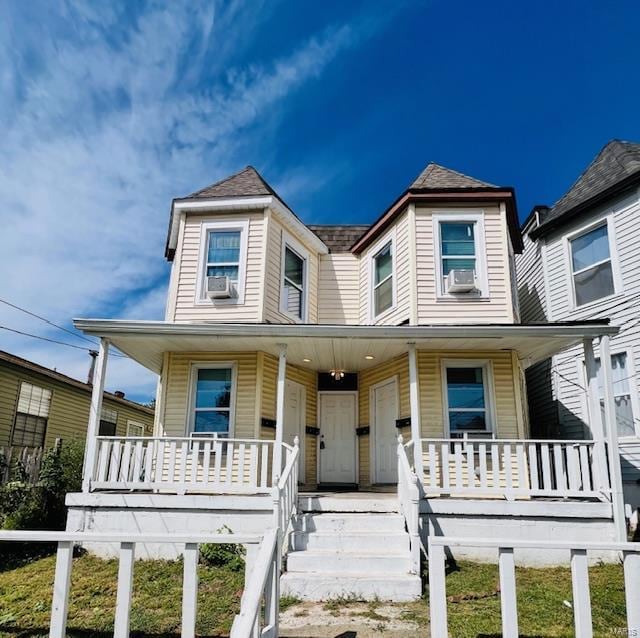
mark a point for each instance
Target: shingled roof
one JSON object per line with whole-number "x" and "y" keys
{"x": 616, "y": 166}
{"x": 339, "y": 237}
{"x": 439, "y": 177}
{"x": 246, "y": 183}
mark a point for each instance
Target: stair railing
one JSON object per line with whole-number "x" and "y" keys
{"x": 409, "y": 499}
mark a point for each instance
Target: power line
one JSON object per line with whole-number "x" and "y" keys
{"x": 60, "y": 343}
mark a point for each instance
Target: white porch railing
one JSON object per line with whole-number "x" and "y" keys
{"x": 505, "y": 550}
{"x": 512, "y": 468}
{"x": 409, "y": 499}
{"x": 181, "y": 464}
{"x": 285, "y": 493}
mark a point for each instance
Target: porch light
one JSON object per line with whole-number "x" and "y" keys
{"x": 369, "y": 357}
{"x": 337, "y": 374}
{"x": 307, "y": 360}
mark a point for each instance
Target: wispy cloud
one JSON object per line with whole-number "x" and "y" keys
{"x": 108, "y": 111}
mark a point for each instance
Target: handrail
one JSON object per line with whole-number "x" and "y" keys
{"x": 409, "y": 498}
{"x": 285, "y": 495}
{"x": 492, "y": 440}
{"x": 264, "y": 569}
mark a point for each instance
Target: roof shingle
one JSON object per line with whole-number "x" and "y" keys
{"x": 339, "y": 237}
{"x": 438, "y": 177}
{"x": 246, "y": 183}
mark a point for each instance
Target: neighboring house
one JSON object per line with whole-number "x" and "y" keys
{"x": 341, "y": 338}
{"x": 39, "y": 405}
{"x": 582, "y": 261}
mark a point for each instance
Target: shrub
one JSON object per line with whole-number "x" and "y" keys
{"x": 230, "y": 555}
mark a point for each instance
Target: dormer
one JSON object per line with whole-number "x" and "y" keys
{"x": 239, "y": 254}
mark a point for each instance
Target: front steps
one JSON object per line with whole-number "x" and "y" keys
{"x": 351, "y": 553}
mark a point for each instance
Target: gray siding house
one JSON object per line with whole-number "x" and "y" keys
{"x": 581, "y": 261}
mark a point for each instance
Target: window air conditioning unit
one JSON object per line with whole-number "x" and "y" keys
{"x": 461, "y": 281}
{"x": 218, "y": 287}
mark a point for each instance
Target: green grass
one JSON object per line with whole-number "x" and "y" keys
{"x": 25, "y": 598}
{"x": 473, "y": 600}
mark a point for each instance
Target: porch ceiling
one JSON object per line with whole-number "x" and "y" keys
{"x": 329, "y": 346}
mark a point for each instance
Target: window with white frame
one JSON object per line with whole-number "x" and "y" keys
{"x": 459, "y": 245}
{"x": 623, "y": 380}
{"x": 135, "y": 429}
{"x": 591, "y": 265}
{"x": 108, "y": 422}
{"x": 32, "y": 415}
{"x": 223, "y": 253}
{"x": 467, "y": 398}
{"x": 293, "y": 293}
{"x": 383, "y": 279}
{"x": 212, "y": 397}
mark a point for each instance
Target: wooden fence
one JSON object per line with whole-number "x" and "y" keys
{"x": 21, "y": 463}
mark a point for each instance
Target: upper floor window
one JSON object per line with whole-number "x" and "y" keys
{"x": 223, "y": 250}
{"x": 459, "y": 246}
{"x": 212, "y": 399}
{"x": 108, "y": 422}
{"x": 293, "y": 291}
{"x": 467, "y": 398}
{"x": 591, "y": 265}
{"x": 32, "y": 415}
{"x": 383, "y": 279}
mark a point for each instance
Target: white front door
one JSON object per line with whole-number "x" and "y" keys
{"x": 337, "y": 438}
{"x": 294, "y": 418}
{"x": 385, "y": 412}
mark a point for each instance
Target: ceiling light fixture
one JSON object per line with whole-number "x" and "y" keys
{"x": 307, "y": 360}
{"x": 369, "y": 357}
{"x": 337, "y": 374}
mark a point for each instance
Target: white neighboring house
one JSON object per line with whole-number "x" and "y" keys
{"x": 292, "y": 357}
{"x": 581, "y": 262}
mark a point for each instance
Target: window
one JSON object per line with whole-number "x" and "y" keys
{"x": 591, "y": 266}
{"x": 135, "y": 429}
{"x": 466, "y": 398}
{"x": 108, "y": 422}
{"x": 293, "y": 300}
{"x": 622, "y": 376}
{"x": 30, "y": 424}
{"x": 212, "y": 400}
{"x": 223, "y": 252}
{"x": 459, "y": 245}
{"x": 383, "y": 279}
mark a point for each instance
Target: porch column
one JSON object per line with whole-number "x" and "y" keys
{"x": 277, "y": 449}
{"x": 595, "y": 417}
{"x": 414, "y": 399}
{"x": 617, "y": 498}
{"x": 95, "y": 409}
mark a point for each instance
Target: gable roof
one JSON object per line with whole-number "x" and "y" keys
{"x": 615, "y": 167}
{"x": 245, "y": 183}
{"x": 435, "y": 176}
{"x": 30, "y": 366}
{"x": 339, "y": 237}
{"x": 437, "y": 184}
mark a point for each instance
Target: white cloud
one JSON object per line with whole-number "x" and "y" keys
{"x": 105, "y": 117}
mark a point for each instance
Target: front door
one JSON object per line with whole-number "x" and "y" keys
{"x": 294, "y": 418}
{"x": 337, "y": 438}
{"x": 385, "y": 413}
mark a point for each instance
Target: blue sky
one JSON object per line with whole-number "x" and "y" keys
{"x": 109, "y": 110}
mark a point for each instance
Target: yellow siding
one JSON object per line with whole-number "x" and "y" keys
{"x": 339, "y": 289}
{"x": 402, "y": 273}
{"x": 272, "y": 276}
{"x": 176, "y": 390}
{"x": 189, "y": 259}
{"x": 499, "y": 306}
{"x": 69, "y": 411}
{"x": 431, "y": 398}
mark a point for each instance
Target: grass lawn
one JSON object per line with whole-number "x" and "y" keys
{"x": 474, "y": 603}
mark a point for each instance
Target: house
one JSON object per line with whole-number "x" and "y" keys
{"x": 356, "y": 387}
{"x": 580, "y": 261}
{"x": 39, "y": 405}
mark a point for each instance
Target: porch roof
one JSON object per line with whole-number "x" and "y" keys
{"x": 324, "y": 347}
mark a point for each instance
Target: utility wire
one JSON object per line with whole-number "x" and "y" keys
{"x": 60, "y": 343}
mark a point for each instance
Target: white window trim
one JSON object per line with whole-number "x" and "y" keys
{"x": 289, "y": 242}
{"x": 633, "y": 390}
{"x": 137, "y": 424}
{"x": 613, "y": 257}
{"x": 193, "y": 377}
{"x": 482, "y": 281}
{"x": 389, "y": 238}
{"x": 489, "y": 391}
{"x": 227, "y": 224}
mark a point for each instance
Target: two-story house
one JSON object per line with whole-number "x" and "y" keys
{"x": 581, "y": 261}
{"x": 294, "y": 356}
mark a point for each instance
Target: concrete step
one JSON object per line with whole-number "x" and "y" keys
{"x": 346, "y": 523}
{"x": 319, "y": 586}
{"x": 350, "y": 502}
{"x": 343, "y": 564}
{"x": 393, "y": 542}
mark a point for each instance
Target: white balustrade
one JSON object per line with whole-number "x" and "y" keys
{"x": 505, "y": 549}
{"x": 409, "y": 500}
{"x": 184, "y": 464}
{"x": 512, "y": 468}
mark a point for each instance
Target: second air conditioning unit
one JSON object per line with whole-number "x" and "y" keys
{"x": 218, "y": 287}
{"x": 461, "y": 281}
